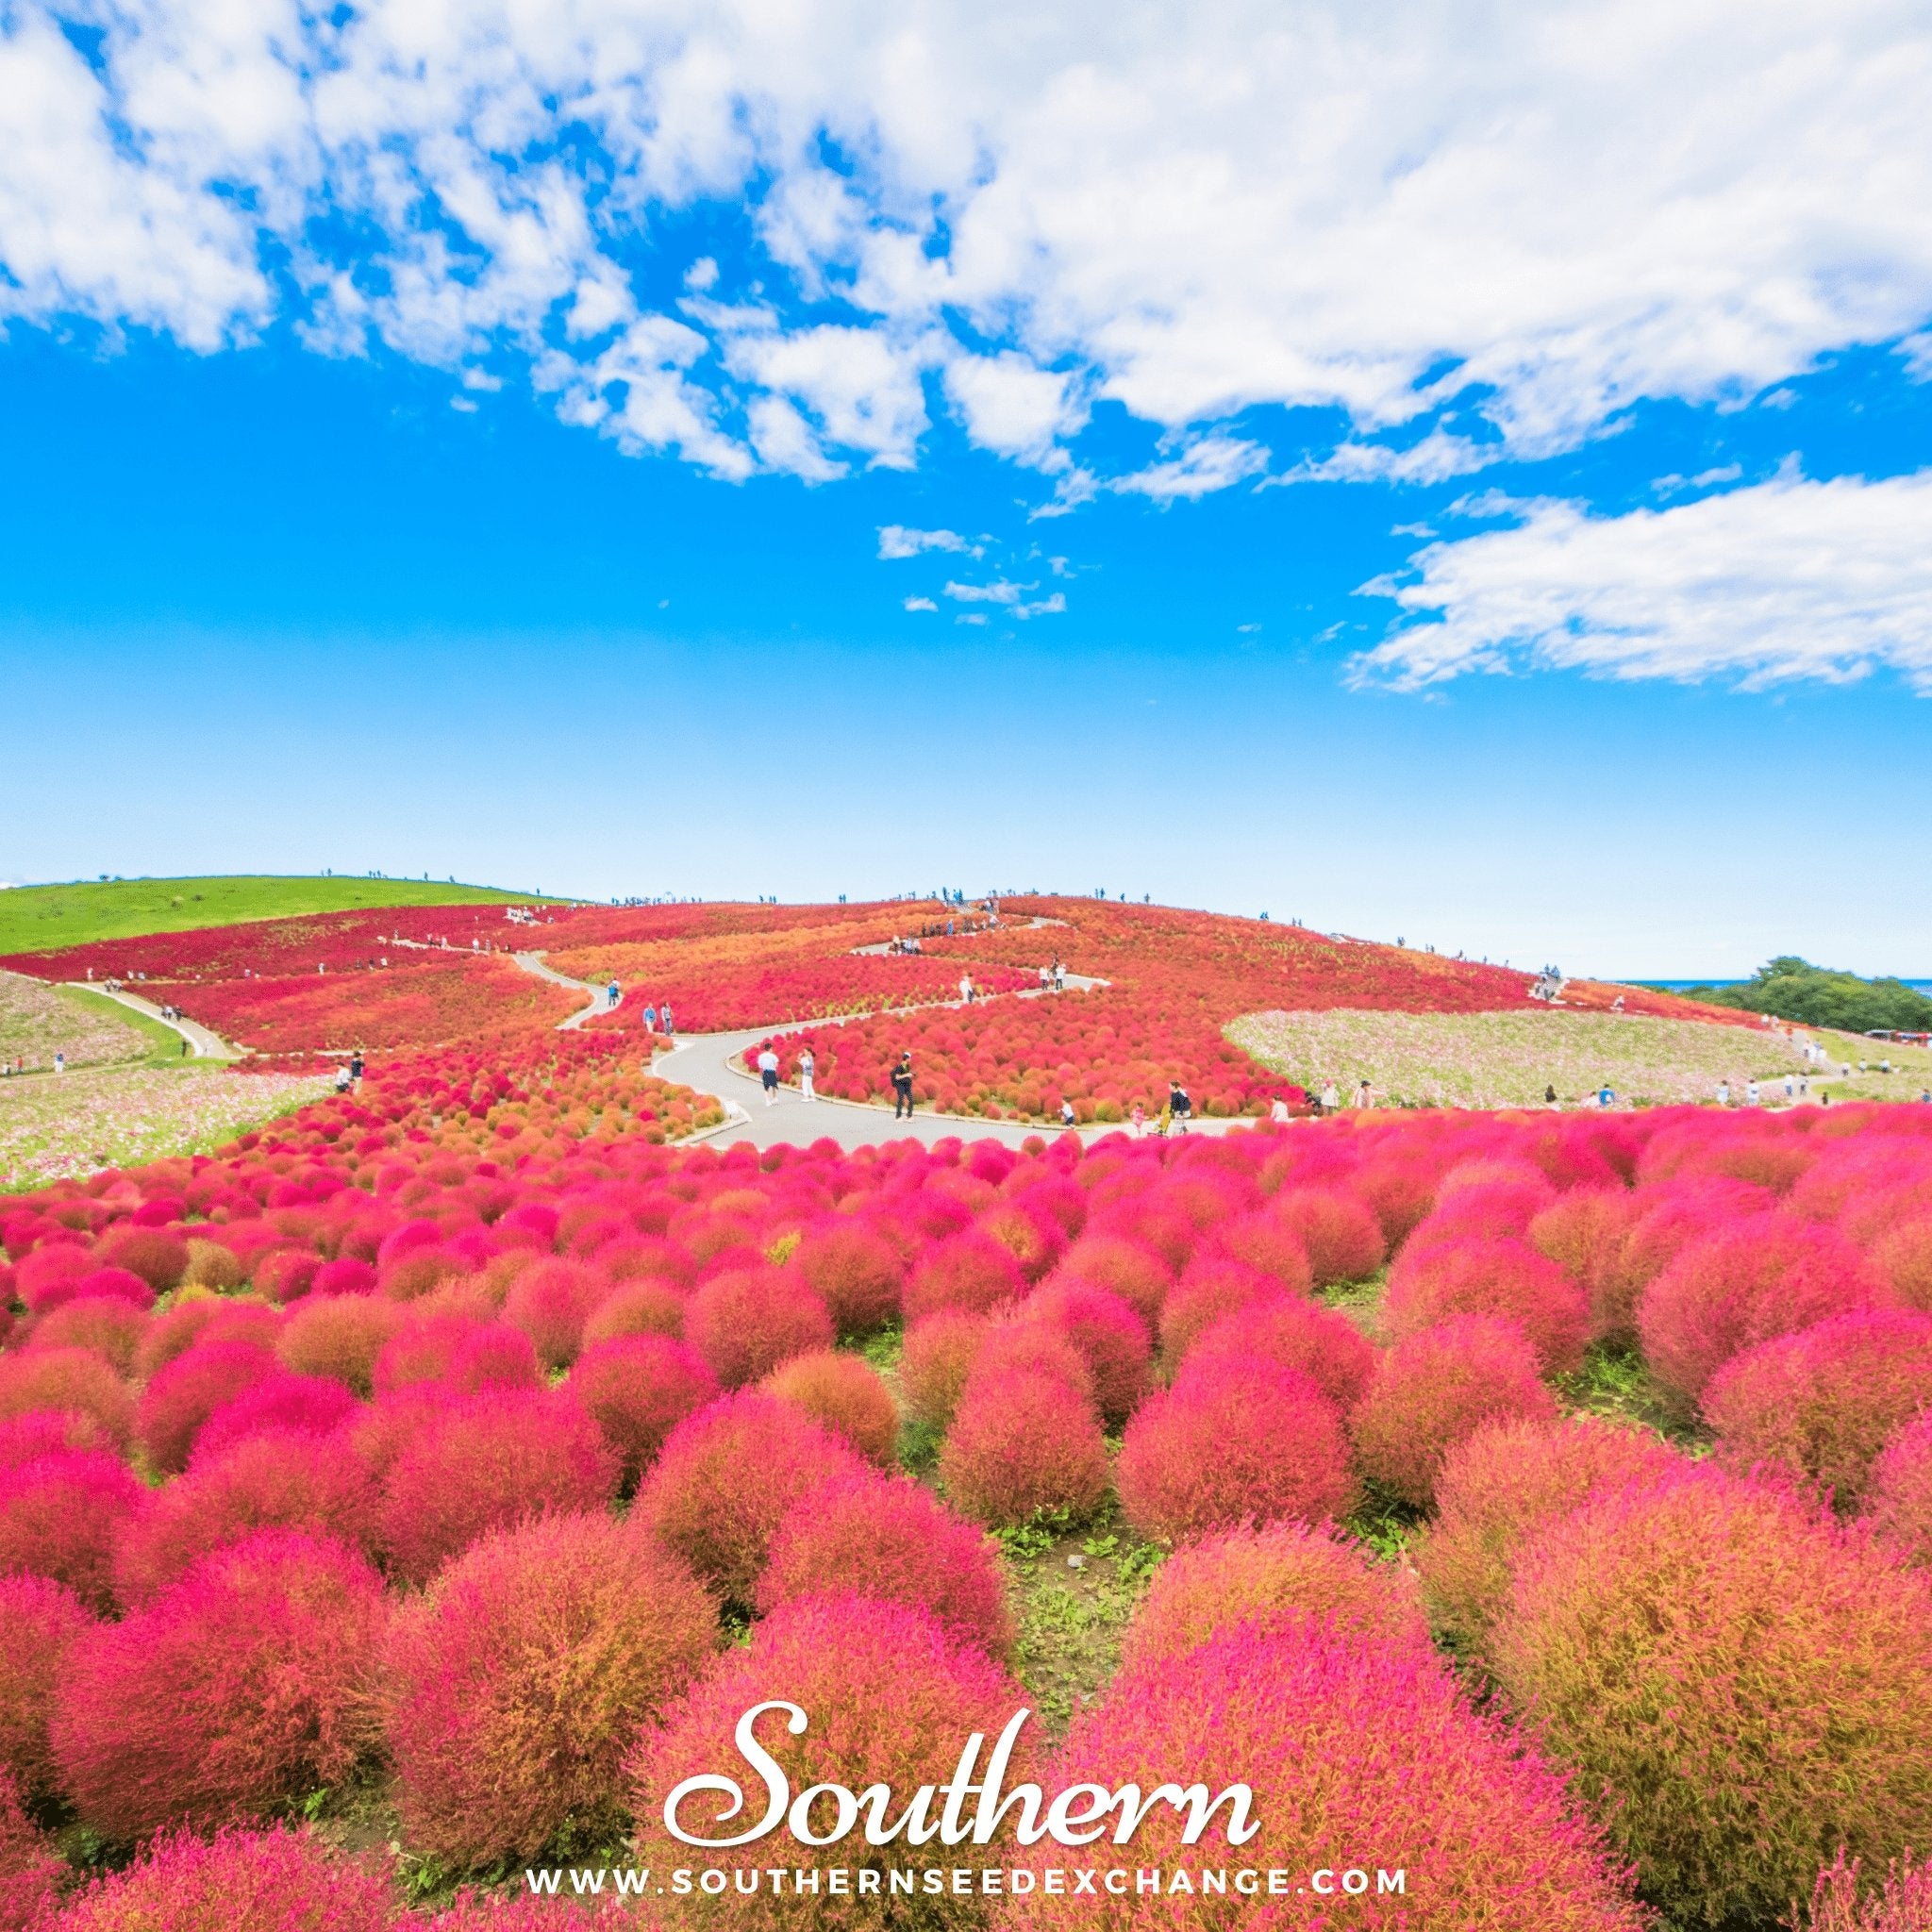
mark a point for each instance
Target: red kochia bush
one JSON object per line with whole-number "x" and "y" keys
{"x": 281, "y": 1479}
{"x": 856, "y": 1271}
{"x": 1037, "y": 1348}
{"x": 1343, "y": 1236}
{"x": 891, "y": 1697}
{"x": 1582, "y": 1232}
{"x": 1467, "y": 1276}
{"x": 1130, "y": 1269}
{"x": 1499, "y": 1487}
{"x": 637, "y": 1389}
{"x": 156, "y": 1255}
{"x": 1736, "y": 1682}
{"x": 746, "y": 1322}
{"x": 1822, "y": 1404}
{"x": 340, "y": 1338}
{"x": 182, "y": 1397}
{"x": 728, "y": 1475}
{"x": 1018, "y": 1445}
{"x": 1307, "y": 1336}
{"x": 1263, "y": 1241}
{"x": 892, "y": 1539}
{"x": 1433, "y": 1390}
{"x": 1347, "y": 1741}
{"x": 242, "y": 1689}
{"x": 1214, "y": 1288}
{"x": 68, "y": 1378}
{"x": 1901, "y": 1902}
{"x": 486, "y": 1460}
{"x": 1767, "y": 1276}
{"x": 43, "y": 1621}
{"x": 1904, "y": 1257}
{"x": 1265, "y": 1579}
{"x": 847, "y": 1394}
{"x": 60, "y": 1516}
{"x": 239, "y": 1881}
{"x": 30, "y": 1868}
{"x": 1900, "y": 1497}
{"x": 967, "y": 1273}
{"x": 304, "y": 1404}
{"x": 102, "y": 1323}
{"x": 939, "y": 1356}
{"x": 1233, "y": 1445}
{"x": 644, "y": 1306}
{"x": 517, "y": 1683}
{"x": 1115, "y": 1341}
{"x": 344, "y": 1276}
{"x": 550, "y": 1303}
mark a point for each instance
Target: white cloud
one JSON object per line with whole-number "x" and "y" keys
{"x": 999, "y": 592}
{"x": 897, "y": 541}
{"x": 1054, "y": 605}
{"x": 921, "y": 603}
{"x": 1784, "y": 580}
{"x": 1214, "y": 463}
{"x": 1437, "y": 458}
{"x": 1185, "y": 212}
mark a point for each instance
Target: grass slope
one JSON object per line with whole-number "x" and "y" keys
{"x": 39, "y": 918}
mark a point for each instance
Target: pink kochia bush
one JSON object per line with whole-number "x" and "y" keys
{"x": 486, "y": 1460}
{"x": 845, "y": 1393}
{"x": 239, "y": 1881}
{"x": 551, "y": 1302}
{"x": 1767, "y": 1275}
{"x": 1901, "y": 1900}
{"x": 1360, "y": 1752}
{"x": 1307, "y": 1336}
{"x": 1231, "y": 1445}
{"x": 60, "y": 1516}
{"x": 744, "y": 1322}
{"x": 183, "y": 1395}
{"x": 110, "y": 1326}
{"x": 728, "y": 1475}
{"x": 68, "y": 1378}
{"x": 1343, "y": 1239}
{"x": 43, "y": 1621}
{"x": 1737, "y": 1683}
{"x": 1899, "y": 1500}
{"x": 892, "y": 1539}
{"x": 966, "y": 1273}
{"x": 1822, "y": 1404}
{"x": 856, "y": 1271}
{"x": 29, "y": 1866}
{"x": 1263, "y": 1579}
{"x": 637, "y": 1389}
{"x": 1018, "y": 1445}
{"x": 515, "y": 1685}
{"x": 891, "y": 1698}
{"x": 939, "y": 1356}
{"x": 246, "y": 1686}
{"x": 1114, "y": 1340}
{"x": 291, "y": 1404}
{"x": 1438, "y": 1388}
{"x": 1465, "y": 1276}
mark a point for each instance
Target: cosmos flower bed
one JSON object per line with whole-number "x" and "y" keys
{"x": 466, "y": 1457}
{"x": 37, "y": 1021}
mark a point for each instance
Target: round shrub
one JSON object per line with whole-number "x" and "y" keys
{"x": 889, "y": 1537}
{"x": 239, "y": 1881}
{"x": 856, "y": 1271}
{"x": 1498, "y": 1488}
{"x": 277, "y": 1480}
{"x": 891, "y": 1697}
{"x": 646, "y": 1306}
{"x": 637, "y": 1389}
{"x": 423, "y": 1349}
{"x": 62, "y": 1515}
{"x": 845, "y": 1393}
{"x": 240, "y": 1690}
{"x": 515, "y": 1685}
{"x": 1725, "y": 1293}
{"x": 938, "y": 1357}
{"x": 1822, "y": 1404}
{"x": 727, "y": 1477}
{"x": 1583, "y": 1232}
{"x": 1273, "y": 1577}
{"x": 493, "y": 1355}
{"x": 184, "y": 1395}
{"x": 301, "y": 1404}
{"x": 1263, "y": 1241}
{"x": 1348, "y": 1744}
{"x": 1306, "y": 1336}
{"x": 1033, "y": 1239}
{"x": 1112, "y": 1338}
{"x": 1736, "y": 1683}
{"x": 1435, "y": 1389}
{"x": 967, "y": 1273}
{"x": 157, "y": 1254}
{"x": 43, "y": 1621}
{"x": 484, "y": 1461}
{"x": 1904, "y": 1257}
{"x": 285, "y": 1275}
{"x": 30, "y": 1868}
{"x": 1343, "y": 1239}
{"x": 380, "y": 1433}
{"x": 550, "y": 1303}
{"x": 1214, "y": 1288}
{"x": 68, "y": 1378}
{"x": 1899, "y": 1499}
{"x": 1127, "y": 1268}
{"x": 48, "y": 1432}
{"x": 346, "y": 1276}
{"x": 1017, "y": 1446}
{"x": 197, "y": 1317}
{"x": 1036, "y": 1348}
{"x": 1508, "y": 1278}
{"x": 744, "y": 1322}
{"x": 104, "y": 1322}
{"x": 340, "y": 1338}
{"x": 1901, "y": 1902}
{"x": 1231, "y": 1445}
{"x": 1668, "y": 1220}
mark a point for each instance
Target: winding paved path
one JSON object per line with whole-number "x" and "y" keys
{"x": 203, "y": 1045}
{"x": 535, "y": 962}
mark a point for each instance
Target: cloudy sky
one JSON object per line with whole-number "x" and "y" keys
{"x": 1461, "y": 473}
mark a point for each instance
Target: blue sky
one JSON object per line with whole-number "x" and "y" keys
{"x": 1441, "y": 489}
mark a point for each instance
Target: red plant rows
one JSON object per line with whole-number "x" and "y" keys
{"x": 440, "y": 1439}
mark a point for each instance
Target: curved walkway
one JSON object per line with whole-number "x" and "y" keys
{"x": 534, "y": 962}
{"x": 202, "y": 1043}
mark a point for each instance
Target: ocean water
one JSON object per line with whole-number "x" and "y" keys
{"x": 1923, "y": 986}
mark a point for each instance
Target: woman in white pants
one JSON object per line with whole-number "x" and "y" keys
{"x": 806, "y": 1065}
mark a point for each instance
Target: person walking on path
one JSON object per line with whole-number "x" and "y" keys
{"x": 1330, "y": 1100}
{"x": 1550, "y": 1097}
{"x": 1751, "y": 1095}
{"x": 650, "y": 1019}
{"x": 1361, "y": 1095}
{"x": 1060, "y": 976}
{"x": 1067, "y": 1115}
{"x": 60, "y": 1062}
{"x": 664, "y": 1018}
{"x": 807, "y": 1066}
{"x": 1278, "y": 1113}
{"x": 356, "y": 1069}
{"x": 965, "y": 989}
{"x": 1180, "y": 1105}
{"x": 768, "y": 1072}
{"x": 1139, "y": 1114}
{"x": 1724, "y": 1093}
{"x": 611, "y": 995}
{"x": 901, "y": 1088}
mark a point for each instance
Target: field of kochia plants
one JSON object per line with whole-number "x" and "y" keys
{"x": 455, "y": 1462}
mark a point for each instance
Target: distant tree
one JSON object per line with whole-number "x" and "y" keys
{"x": 1794, "y": 989}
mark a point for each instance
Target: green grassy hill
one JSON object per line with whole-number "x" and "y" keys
{"x": 36, "y": 918}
